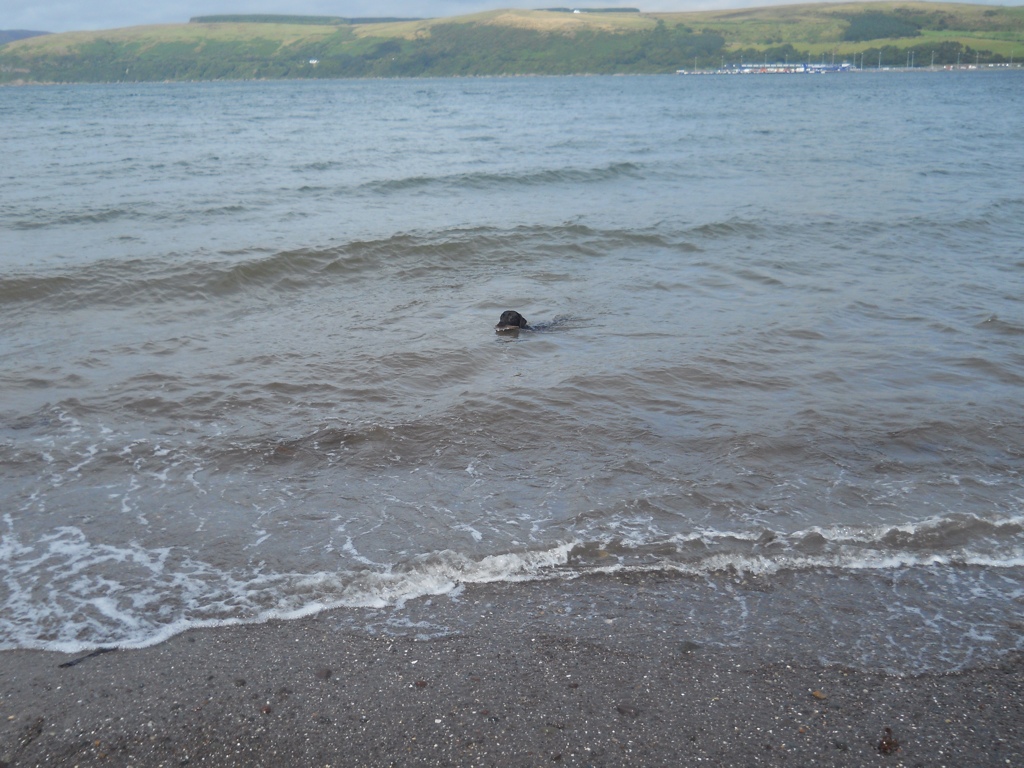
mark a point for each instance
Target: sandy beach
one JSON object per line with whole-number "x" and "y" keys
{"x": 511, "y": 687}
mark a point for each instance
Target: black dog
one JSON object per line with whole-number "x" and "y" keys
{"x": 510, "y": 321}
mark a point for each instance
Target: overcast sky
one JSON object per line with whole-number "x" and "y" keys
{"x": 67, "y": 15}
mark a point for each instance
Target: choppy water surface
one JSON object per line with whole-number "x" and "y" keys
{"x": 248, "y": 366}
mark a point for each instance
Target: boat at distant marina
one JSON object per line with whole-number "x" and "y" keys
{"x": 778, "y": 68}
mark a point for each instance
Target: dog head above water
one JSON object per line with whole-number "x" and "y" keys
{"x": 510, "y": 320}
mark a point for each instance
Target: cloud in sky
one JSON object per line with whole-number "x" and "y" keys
{"x": 68, "y": 15}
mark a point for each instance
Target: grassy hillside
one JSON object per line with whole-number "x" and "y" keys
{"x": 821, "y": 28}
{"x": 518, "y": 42}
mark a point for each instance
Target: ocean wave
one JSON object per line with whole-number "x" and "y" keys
{"x": 729, "y": 228}
{"x": 49, "y": 218}
{"x": 952, "y": 540}
{"x": 100, "y": 601}
{"x": 496, "y": 181}
{"x": 998, "y": 325}
{"x": 204, "y": 277}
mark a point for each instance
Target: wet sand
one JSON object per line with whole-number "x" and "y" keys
{"x": 509, "y": 688}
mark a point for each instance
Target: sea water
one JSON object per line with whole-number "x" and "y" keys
{"x": 248, "y": 366}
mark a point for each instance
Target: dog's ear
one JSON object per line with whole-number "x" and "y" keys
{"x": 522, "y": 322}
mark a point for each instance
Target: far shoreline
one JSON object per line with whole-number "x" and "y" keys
{"x": 1015, "y": 68}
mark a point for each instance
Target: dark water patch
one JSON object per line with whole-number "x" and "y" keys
{"x": 954, "y": 533}
{"x": 479, "y": 181}
{"x": 57, "y": 380}
{"x": 1002, "y": 372}
{"x": 127, "y": 283}
{"x": 48, "y": 219}
{"x": 998, "y": 325}
{"x": 759, "y": 277}
{"x": 959, "y": 446}
{"x": 737, "y": 228}
{"x": 805, "y": 334}
{"x": 217, "y": 210}
{"x": 321, "y": 165}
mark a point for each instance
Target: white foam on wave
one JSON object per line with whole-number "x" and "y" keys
{"x": 156, "y": 595}
{"x": 929, "y": 542}
{"x": 940, "y": 541}
{"x": 68, "y": 594}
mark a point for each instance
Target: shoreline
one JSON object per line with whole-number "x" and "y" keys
{"x": 510, "y": 688}
{"x": 903, "y": 621}
{"x": 1016, "y": 67}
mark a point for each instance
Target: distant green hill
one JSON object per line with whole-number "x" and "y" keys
{"x": 511, "y": 42}
{"x": 266, "y": 18}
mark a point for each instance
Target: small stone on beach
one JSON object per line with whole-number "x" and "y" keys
{"x": 888, "y": 745}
